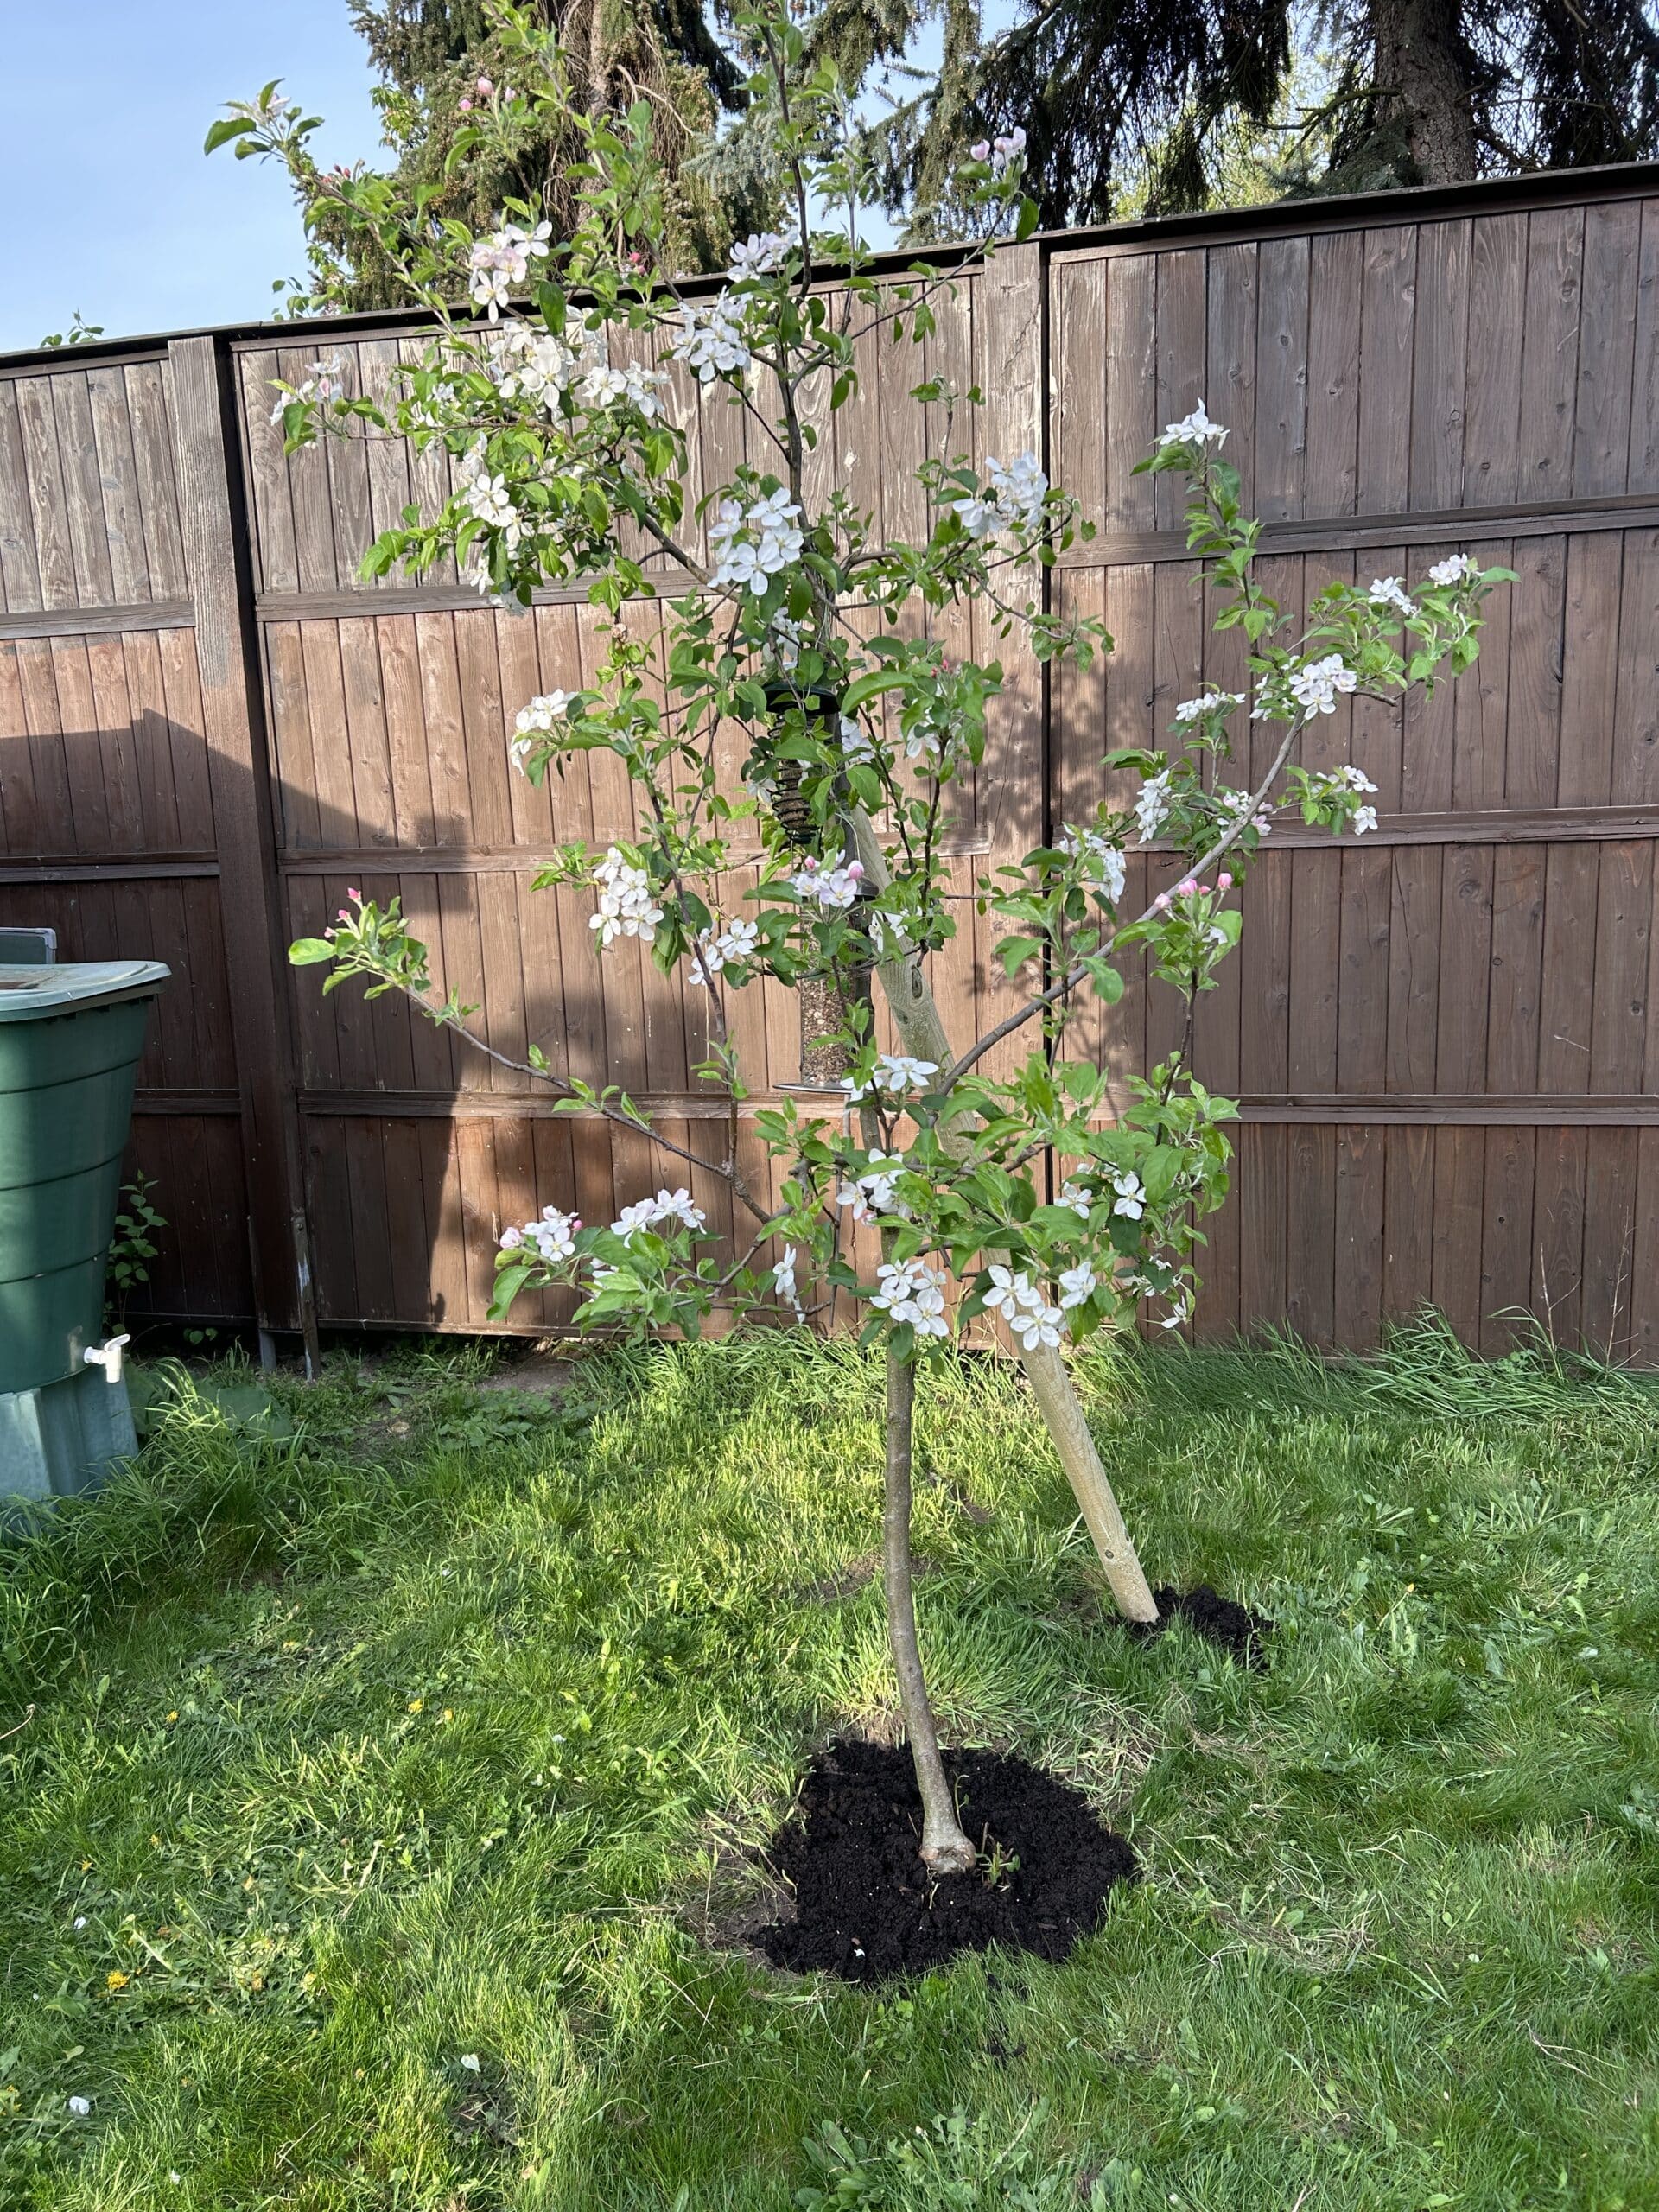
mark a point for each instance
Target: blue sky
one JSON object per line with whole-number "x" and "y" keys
{"x": 136, "y": 227}
{"x": 144, "y": 232}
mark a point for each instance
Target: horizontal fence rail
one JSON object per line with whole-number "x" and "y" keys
{"x": 1439, "y": 1039}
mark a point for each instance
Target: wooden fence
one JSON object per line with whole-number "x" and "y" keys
{"x": 209, "y": 728}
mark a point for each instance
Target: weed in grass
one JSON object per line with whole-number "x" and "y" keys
{"x": 356, "y": 1756}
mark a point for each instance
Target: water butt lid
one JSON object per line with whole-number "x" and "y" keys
{"x": 29, "y": 994}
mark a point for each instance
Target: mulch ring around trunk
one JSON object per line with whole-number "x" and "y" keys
{"x": 1233, "y": 1627}
{"x": 866, "y": 1908}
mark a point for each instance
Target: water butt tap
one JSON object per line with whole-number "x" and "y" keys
{"x": 110, "y": 1357}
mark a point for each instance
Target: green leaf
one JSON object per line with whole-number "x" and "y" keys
{"x": 1014, "y": 951}
{"x": 865, "y": 687}
{"x": 508, "y": 1283}
{"x": 309, "y": 951}
{"x": 222, "y": 133}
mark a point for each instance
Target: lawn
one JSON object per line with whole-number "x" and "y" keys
{"x": 367, "y": 1793}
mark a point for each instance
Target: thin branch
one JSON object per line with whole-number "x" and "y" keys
{"x": 617, "y": 1114}
{"x": 1074, "y": 975}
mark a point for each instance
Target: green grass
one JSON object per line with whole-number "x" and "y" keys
{"x": 431, "y": 1732}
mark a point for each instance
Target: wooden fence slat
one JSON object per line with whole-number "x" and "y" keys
{"x": 232, "y": 724}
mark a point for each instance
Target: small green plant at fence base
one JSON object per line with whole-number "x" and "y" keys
{"x": 133, "y": 1246}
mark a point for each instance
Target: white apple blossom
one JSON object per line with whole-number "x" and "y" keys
{"x": 752, "y": 544}
{"x": 625, "y": 906}
{"x": 502, "y": 260}
{"x": 274, "y": 113}
{"x": 727, "y": 942}
{"x": 534, "y": 723}
{"x": 1208, "y": 702}
{"x": 1452, "y": 571}
{"x": 896, "y": 1075}
{"x": 1009, "y": 1291}
{"x": 1315, "y": 687}
{"x": 871, "y": 1191}
{"x": 1390, "y": 591}
{"x": 1364, "y": 819}
{"x": 828, "y": 887}
{"x": 1152, "y": 806}
{"x": 1006, "y": 151}
{"x": 1011, "y": 498}
{"x": 600, "y": 386}
{"x": 758, "y": 254}
{"x": 856, "y": 745}
{"x": 80, "y": 2106}
{"x": 530, "y": 364}
{"x": 487, "y": 497}
{"x": 977, "y": 515}
{"x": 1235, "y": 802}
{"x": 1193, "y": 429}
{"x": 711, "y": 342}
{"x": 1356, "y": 778}
{"x": 784, "y": 1283}
{"x": 492, "y": 502}
{"x": 887, "y": 939}
{"x": 783, "y": 635}
{"x": 325, "y": 380}
{"x": 652, "y": 1213}
{"x": 1038, "y": 1325}
{"x": 1078, "y": 1196}
{"x": 1104, "y": 863}
{"x": 909, "y": 1290}
{"x": 1078, "y": 1285}
{"x": 1021, "y": 487}
{"x": 553, "y": 1235}
{"x": 1024, "y": 1307}
{"x": 1131, "y": 1196}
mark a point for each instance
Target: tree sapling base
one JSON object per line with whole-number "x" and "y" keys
{"x": 866, "y": 1907}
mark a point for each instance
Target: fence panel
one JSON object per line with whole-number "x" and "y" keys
{"x": 1439, "y": 1039}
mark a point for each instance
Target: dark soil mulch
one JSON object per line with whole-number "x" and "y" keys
{"x": 1218, "y": 1620}
{"x": 866, "y": 1908}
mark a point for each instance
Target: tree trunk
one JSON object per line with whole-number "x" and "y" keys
{"x": 916, "y": 1017}
{"x": 945, "y": 1847}
{"x": 1424, "y": 85}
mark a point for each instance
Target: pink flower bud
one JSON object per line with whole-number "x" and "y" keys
{"x": 483, "y": 88}
{"x": 1224, "y": 881}
{"x": 465, "y": 107}
{"x": 982, "y": 152}
{"x": 854, "y": 867}
{"x": 1185, "y": 887}
{"x": 358, "y": 895}
{"x": 1161, "y": 901}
